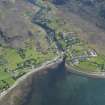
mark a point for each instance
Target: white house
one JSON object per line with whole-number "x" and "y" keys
{"x": 92, "y": 53}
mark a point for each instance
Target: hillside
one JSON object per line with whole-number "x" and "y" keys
{"x": 87, "y": 18}
{"x": 35, "y": 31}
{"x": 24, "y": 45}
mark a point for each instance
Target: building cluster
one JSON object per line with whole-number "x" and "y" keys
{"x": 75, "y": 59}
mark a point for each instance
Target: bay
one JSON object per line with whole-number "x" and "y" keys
{"x": 59, "y": 87}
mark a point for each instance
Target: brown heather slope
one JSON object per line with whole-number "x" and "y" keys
{"x": 15, "y": 22}
{"x": 86, "y": 18}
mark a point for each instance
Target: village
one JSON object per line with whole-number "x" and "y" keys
{"x": 80, "y": 55}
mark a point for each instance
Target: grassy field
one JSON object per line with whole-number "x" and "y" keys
{"x": 5, "y": 76}
{"x": 87, "y": 67}
{"x": 10, "y": 59}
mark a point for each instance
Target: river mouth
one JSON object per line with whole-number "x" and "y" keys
{"x": 59, "y": 87}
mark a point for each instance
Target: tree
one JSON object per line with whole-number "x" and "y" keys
{"x": 21, "y": 52}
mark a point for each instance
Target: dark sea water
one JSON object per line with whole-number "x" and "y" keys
{"x": 59, "y": 2}
{"x": 58, "y": 87}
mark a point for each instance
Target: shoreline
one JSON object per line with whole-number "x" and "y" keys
{"x": 84, "y": 74}
{"x": 49, "y": 64}
{"x": 45, "y": 65}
